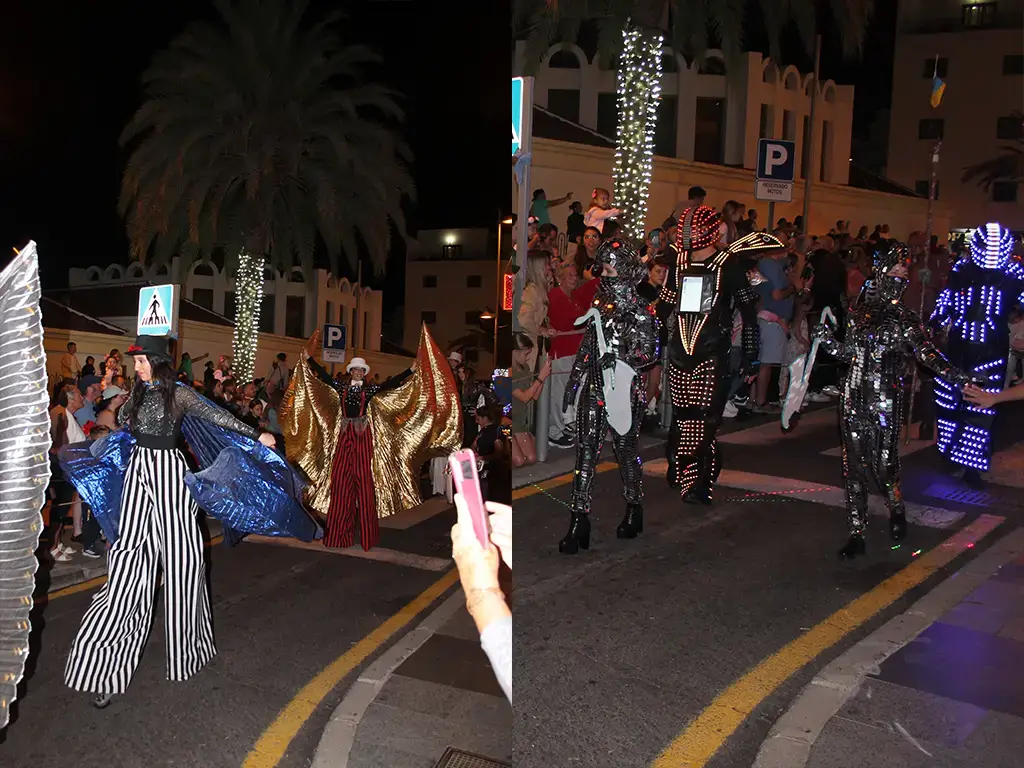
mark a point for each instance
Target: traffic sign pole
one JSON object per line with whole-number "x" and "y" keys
{"x": 522, "y": 108}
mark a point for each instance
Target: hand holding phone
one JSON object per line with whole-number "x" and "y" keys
{"x": 467, "y": 483}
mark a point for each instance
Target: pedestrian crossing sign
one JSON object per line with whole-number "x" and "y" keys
{"x": 158, "y": 311}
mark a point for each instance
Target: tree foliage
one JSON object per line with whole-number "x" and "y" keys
{"x": 261, "y": 132}
{"x": 1008, "y": 165}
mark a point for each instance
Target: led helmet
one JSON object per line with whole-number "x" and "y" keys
{"x": 991, "y": 246}
{"x": 698, "y": 228}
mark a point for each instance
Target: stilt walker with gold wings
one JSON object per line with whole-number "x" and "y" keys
{"x": 362, "y": 445}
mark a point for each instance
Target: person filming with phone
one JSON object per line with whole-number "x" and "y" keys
{"x": 481, "y": 539}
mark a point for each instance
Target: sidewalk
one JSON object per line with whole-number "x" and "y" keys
{"x": 430, "y": 701}
{"x": 939, "y": 685}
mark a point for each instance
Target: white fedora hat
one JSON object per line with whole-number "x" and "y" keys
{"x": 357, "y": 362}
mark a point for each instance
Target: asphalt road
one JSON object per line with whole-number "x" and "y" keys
{"x": 280, "y": 616}
{"x": 619, "y": 648}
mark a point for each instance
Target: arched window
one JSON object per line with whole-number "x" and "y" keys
{"x": 162, "y": 269}
{"x": 712, "y": 65}
{"x": 296, "y": 276}
{"x": 203, "y": 268}
{"x": 563, "y": 59}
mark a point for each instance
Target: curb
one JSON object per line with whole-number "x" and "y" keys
{"x": 340, "y": 734}
{"x": 789, "y": 742}
{"x": 78, "y": 575}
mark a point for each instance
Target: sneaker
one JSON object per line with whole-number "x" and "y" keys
{"x": 740, "y": 402}
{"x": 562, "y": 441}
{"x": 817, "y": 397}
{"x": 767, "y": 408}
{"x": 101, "y": 700}
{"x": 60, "y": 556}
{"x": 730, "y": 411}
{"x": 93, "y": 552}
{"x": 831, "y": 390}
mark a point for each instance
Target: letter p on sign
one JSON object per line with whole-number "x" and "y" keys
{"x": 777, "y": 155}
{"x": 334, "y": 335}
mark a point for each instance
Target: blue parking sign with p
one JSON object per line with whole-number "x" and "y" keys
{"x": 776, "y": 160}
{"x": 335, "y": 339}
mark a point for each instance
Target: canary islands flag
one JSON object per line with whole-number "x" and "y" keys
{"x": 938, "y": 86}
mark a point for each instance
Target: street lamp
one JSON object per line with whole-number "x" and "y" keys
{"x": 499, "y": 285}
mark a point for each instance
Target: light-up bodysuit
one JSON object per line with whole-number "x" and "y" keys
{"x": 982, "y": 289}
{"x": 629, "y": 330}
{"x": 881, "y": 333}
{"x": 699, "y": 343}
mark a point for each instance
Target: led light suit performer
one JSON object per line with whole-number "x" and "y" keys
{"x": 621, "y": 340}
{"x": 982, "y": 289}
{"x": 704, "y": 288}
{"x": 881, "y": 333}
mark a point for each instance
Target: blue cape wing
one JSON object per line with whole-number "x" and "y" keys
{"x": 97, "y": 469}
{"x": 241, "y": 482}
{"x": 246, "y": 485}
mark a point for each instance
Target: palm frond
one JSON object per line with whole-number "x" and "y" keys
{"x": 262, "y": 131}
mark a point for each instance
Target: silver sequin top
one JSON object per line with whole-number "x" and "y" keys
{"x": 153, "y": 428}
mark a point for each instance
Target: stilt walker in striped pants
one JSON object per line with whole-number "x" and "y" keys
{"x": 352, "y": 488}
{"x": 158, "y": 528}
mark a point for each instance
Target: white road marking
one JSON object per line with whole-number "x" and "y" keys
{"x": 818, "y": 493}
{"x": 770, "y": 433}
{"x": 393, "y": 556}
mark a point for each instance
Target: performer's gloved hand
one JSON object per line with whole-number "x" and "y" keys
{"x": 607, "y": 360}
{"x": 569, "y": 397}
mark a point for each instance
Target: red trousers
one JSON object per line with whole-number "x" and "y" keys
{"x": 352, "y": 492}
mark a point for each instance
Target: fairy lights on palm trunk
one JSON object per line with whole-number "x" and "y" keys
{"x": 248, "y": 295}
{"x": 639, "y": 90}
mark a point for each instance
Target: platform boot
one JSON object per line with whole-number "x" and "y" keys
{"x": 578, "y": 535}
{"x": 854, "y": 547}
{"x": 898, "y": 526}
{"x": 633, "y": 523}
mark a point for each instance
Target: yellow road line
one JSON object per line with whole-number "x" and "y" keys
{"x": 274, "y": 742}
{"x": 710, "y": 730}
{"x": 98, "y": 581}
{"x": 554, "y": 482}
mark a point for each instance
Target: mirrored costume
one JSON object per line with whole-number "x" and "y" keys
{"x": 881, "y": 333}
{"x": 24, "y": 469}
{"x": 620, "y": 342}
{"x": 704, "y": 295}
{"x": 982, "y": 289}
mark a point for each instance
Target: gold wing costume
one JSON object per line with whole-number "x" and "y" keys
{"x": 411, "y": 424}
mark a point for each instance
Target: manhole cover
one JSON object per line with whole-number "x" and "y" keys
{"x": 457, "y": 758}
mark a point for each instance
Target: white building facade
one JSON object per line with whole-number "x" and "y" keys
{"x": 710, "y": 112}
{"x": 978, "y": 49}
{"x": 451, "y": 280}
{"x": 291, "y": 307}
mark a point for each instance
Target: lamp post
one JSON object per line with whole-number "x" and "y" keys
{"x": 488, "y": 315}
{"x": 499, "y": 283}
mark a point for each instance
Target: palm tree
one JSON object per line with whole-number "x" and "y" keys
{"x": 260, "y": 137}
{"x": 1006, "y": 166}
{"x": 633, "y": 33}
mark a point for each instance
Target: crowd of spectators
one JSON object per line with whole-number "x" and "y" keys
{"x": 814, "y": 272}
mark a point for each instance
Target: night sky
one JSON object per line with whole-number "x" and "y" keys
{"x": 70, "y": 78}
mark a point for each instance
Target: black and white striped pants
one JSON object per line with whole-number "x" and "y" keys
{"x": 158, "y": 527}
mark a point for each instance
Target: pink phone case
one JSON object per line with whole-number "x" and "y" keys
{"x": 467, "y": 483}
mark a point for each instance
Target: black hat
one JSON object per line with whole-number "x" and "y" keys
{"x": 150, "y": 346}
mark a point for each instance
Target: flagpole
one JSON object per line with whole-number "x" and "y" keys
{"x": 929, "y": 224}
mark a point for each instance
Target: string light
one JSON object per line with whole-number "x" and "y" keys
{"x": 248, "y": 296}
{"x": 639, "y": 90}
